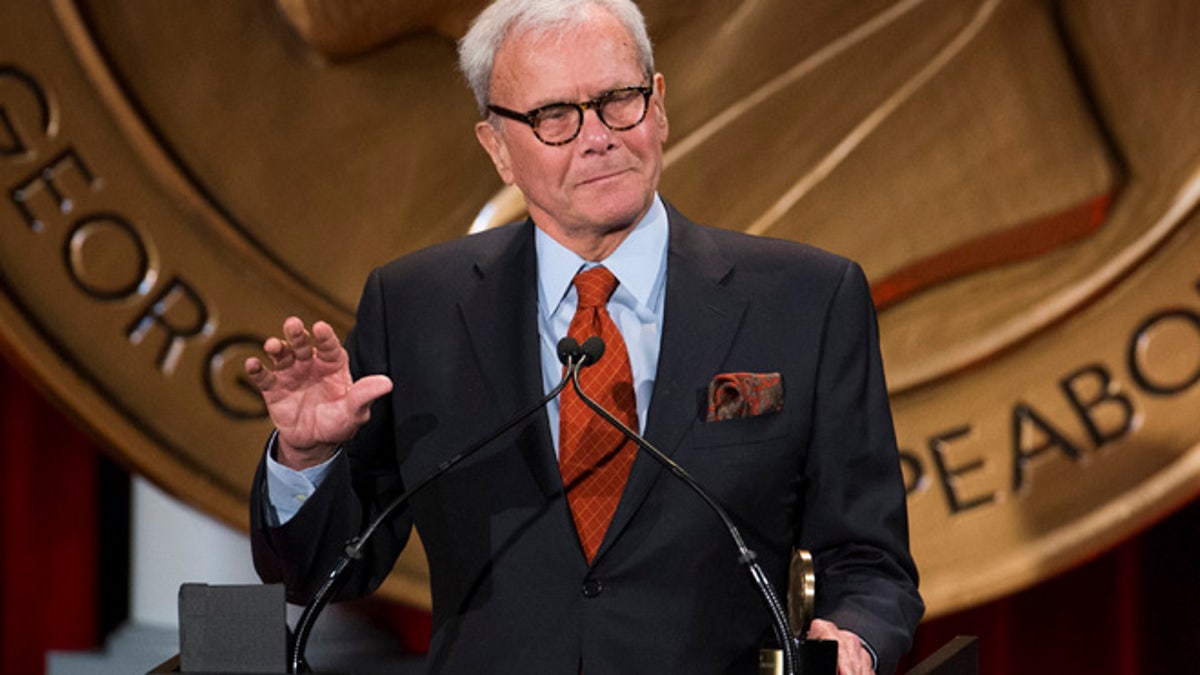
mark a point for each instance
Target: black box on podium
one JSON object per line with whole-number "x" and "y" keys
{"x": 230, "y": 629}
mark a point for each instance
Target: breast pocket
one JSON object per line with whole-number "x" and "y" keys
{"x": 750, "y": 431}
{"x": 750, "y": 465}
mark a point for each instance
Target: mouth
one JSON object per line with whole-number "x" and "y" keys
{"x": 604, "y": 177}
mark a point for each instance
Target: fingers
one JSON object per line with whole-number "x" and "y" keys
{"x": 296, "y": 346}
{"x": 853, "y": 657}
{"x": 300, "y": 345}
{"x": 325, "y": 341}
{"x": 298, "y": 340}
{"x": 827, "y": 629}
{"x": 259, "y": 376}
{"x": 290, "y": 356}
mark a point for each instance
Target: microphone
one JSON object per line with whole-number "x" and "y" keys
{"x": 570, "y": 354}
{"x": 568, "y": 349}
{"x": 592, "y": 350}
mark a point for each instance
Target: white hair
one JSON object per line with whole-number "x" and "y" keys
{"x": 477, "y": 49}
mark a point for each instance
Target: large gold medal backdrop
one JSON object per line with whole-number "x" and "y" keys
{"x": 1018, "y": 177}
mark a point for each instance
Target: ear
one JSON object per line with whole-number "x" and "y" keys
{"x": 492, "y": 141}
{"x": 660, "y": 105}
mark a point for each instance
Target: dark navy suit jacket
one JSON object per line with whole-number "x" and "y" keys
{"x": 455, "y": 326}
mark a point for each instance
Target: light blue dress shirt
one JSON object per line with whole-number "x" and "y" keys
{"x": 636, "y": 306}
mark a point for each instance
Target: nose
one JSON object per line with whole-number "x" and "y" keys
{"x": 594, "y": 135}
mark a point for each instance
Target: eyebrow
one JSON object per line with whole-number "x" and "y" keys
{"x": 607, "y": 90}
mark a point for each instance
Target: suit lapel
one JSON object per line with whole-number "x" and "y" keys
{"x": 499, "y": 309}
{"x": 701, "y": 317}
{"x": 700, "y": 320}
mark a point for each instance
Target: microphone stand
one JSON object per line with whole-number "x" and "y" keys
{"x": 593, "y": 349}
{"x": 568, "y": 353}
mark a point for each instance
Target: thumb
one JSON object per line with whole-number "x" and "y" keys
{"x": 364, "y": 392}
{"x": 822, "y": 630}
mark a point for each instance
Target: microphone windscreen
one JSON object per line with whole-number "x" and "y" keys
{"x": 568, "y": 348}
{"x": 593, "y": 349}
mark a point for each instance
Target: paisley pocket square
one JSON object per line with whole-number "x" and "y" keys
{"x": 740, "y": 395}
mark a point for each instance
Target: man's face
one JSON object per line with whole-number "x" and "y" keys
{"x": 603, "y": 181}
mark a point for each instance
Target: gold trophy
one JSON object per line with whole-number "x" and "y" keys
{"x": 816, "y": 657}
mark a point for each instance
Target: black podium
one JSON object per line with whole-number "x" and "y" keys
{"x": 242, "y": 629}
{"x": 230, "y": 629}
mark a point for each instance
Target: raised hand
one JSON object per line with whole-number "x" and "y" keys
{"x": 310, "y": 395}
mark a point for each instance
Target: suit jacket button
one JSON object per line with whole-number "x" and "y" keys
{"x": 592, "y": 588}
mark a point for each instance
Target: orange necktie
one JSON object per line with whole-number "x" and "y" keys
{"x": 594, "y": 457}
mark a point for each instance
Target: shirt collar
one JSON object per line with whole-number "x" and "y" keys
{"x": 637, "y": 263}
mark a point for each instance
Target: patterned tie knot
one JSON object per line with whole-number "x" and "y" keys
{"x": 594, "y": 287}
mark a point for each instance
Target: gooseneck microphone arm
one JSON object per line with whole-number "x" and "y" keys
{"x": 592, "y": 350}
{"x": 569, "y": 354}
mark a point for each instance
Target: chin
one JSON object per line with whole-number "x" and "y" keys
{"x": 619, "y": 213}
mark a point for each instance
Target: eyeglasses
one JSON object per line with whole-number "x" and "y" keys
{"x": 559, "y": 123}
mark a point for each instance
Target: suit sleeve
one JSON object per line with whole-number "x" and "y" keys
{"x": 855, "y": 517}
{"x": 360, "y": 483}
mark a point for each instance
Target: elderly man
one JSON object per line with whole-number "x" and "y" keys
{"x": 559, "y": 548}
